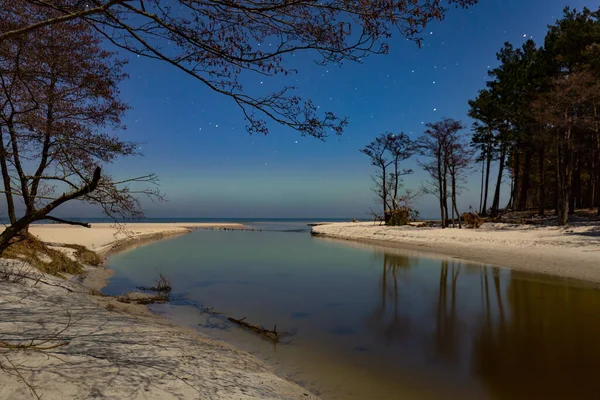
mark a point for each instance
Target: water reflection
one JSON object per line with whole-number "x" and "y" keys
{"x": 386, "y": 320}
{"x": 546, "y": 344}
{"x": 446, "y": 335}
{"x": 525, "y": 337}
{"x": 382, "y": 323}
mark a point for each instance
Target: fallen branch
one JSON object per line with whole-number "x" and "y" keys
{"x": 64, "y": 221}
{"x": 272, "y": 335}
{"x": 163, "y": 285}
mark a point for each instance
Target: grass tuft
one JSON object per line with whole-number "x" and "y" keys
{"x": 40, "y": 256}
{"x": 85, "y": 255}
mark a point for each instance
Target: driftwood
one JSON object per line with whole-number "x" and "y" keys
{"x": 272, "y": 335}
{"x": 162, "y": 285}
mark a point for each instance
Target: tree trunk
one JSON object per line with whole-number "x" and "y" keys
{"x": 512, "y": 192}
{"x": 487, "y": 180}
{"x": 441, "y": 190}
{"x": 454, "y": 206}
{"x": 12, "y": 231}
{"x": 445, "y": 197}
{"x": 597, "y": 126}
{"x": 564, "y": 174}
{"x": 10, "y": 204}
{"x": 542, "y": 187}
{"x": 575, "y": 197}
{"x": 396, "y": 182}
{"x": 482, "y": 180}
{"x": 496, "y": 202}
{"x": 22, "y": 224}
{"x": 513, "y": 203}
{"x": 384, "y": 193}
{"x": 525, "y": 180}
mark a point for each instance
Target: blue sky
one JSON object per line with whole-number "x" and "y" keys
{"x": 209, "y": 166}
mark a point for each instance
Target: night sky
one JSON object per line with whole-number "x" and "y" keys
{"x": 209, "y": 166}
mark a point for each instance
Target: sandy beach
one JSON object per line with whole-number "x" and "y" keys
{"x": 572, "y": 252}
{"x": 105, "y": 237}
{"x": 62, "y": 339}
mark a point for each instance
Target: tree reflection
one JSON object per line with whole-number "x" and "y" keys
{"x": 518, "y": 335}
{"x": 446, "y": 334}
{"x": 546, "y": 346}
{"x": 395, "y": 326}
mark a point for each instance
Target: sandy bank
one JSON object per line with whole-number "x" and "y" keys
{"x": 105, "y": 237}
{"x": 572, "y": 252}
{"x": 92, "y": 346}
{"x": 105, "y": 353}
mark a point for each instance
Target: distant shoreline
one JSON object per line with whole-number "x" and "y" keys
{"x": 572, "y": 253}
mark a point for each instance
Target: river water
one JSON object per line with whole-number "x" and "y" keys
{"x": 364, "y": 322}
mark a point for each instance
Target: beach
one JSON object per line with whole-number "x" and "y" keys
{"x": 571, "y": 252}
{"x": 63, "y": 339}
{"x": 105, "y": 237}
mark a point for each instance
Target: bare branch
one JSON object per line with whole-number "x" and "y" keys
{"x": 64, "y": 221}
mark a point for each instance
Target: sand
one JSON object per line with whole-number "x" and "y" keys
{"x": 572, "y": 252}
{"x": 104, "y": 237}
{"x": 112, "y": 350}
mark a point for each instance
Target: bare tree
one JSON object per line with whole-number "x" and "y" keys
{"x": 380, "y": 158}
{"x": 438, "y": 143}
{"x": 386, "y": 152}
{"x": 216, "y": 42}
{"x": 58, "y": 98}
{"x": 401, "y": 148}
{"x": 460, "y": 157}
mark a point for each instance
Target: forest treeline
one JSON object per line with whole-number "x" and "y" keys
{"x": 536, "y": 122}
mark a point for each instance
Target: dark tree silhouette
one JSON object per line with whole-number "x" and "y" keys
{"x": 58, "y": 98}
{"x": 539, "y": 115}
{"x": 441, "y": 143}
{"x": 386, "y": 153}
{"x": 216, "y": 42}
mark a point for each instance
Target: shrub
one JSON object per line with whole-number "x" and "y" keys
{"x": 472, "y": 220}
{"x": 399, "y": 217}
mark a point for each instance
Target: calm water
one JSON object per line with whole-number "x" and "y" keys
{"x": 371, "y": 323}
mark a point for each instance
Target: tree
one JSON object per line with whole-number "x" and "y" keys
{"x": 484, "y": 109}
{"x": 438, "y": 142}
{"x": 377, "y": 151}
{"x": 58, "y": 98}
{"x": 401, "y": 148}
{"x": 217, "y": 42}
{"x": 546, "y": 118}
{"x": 459, "y": 163}
{"x": 563, "y": 108}
{"x": 386, "y": 152}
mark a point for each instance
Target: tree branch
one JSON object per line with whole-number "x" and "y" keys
{"x": 57, "y": 20}
{"x": 64, "y": 221}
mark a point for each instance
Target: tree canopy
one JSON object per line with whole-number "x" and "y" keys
{"x": 217, "y": 42}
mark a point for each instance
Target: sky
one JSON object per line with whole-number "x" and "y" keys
{"x": 209, "y": 166}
